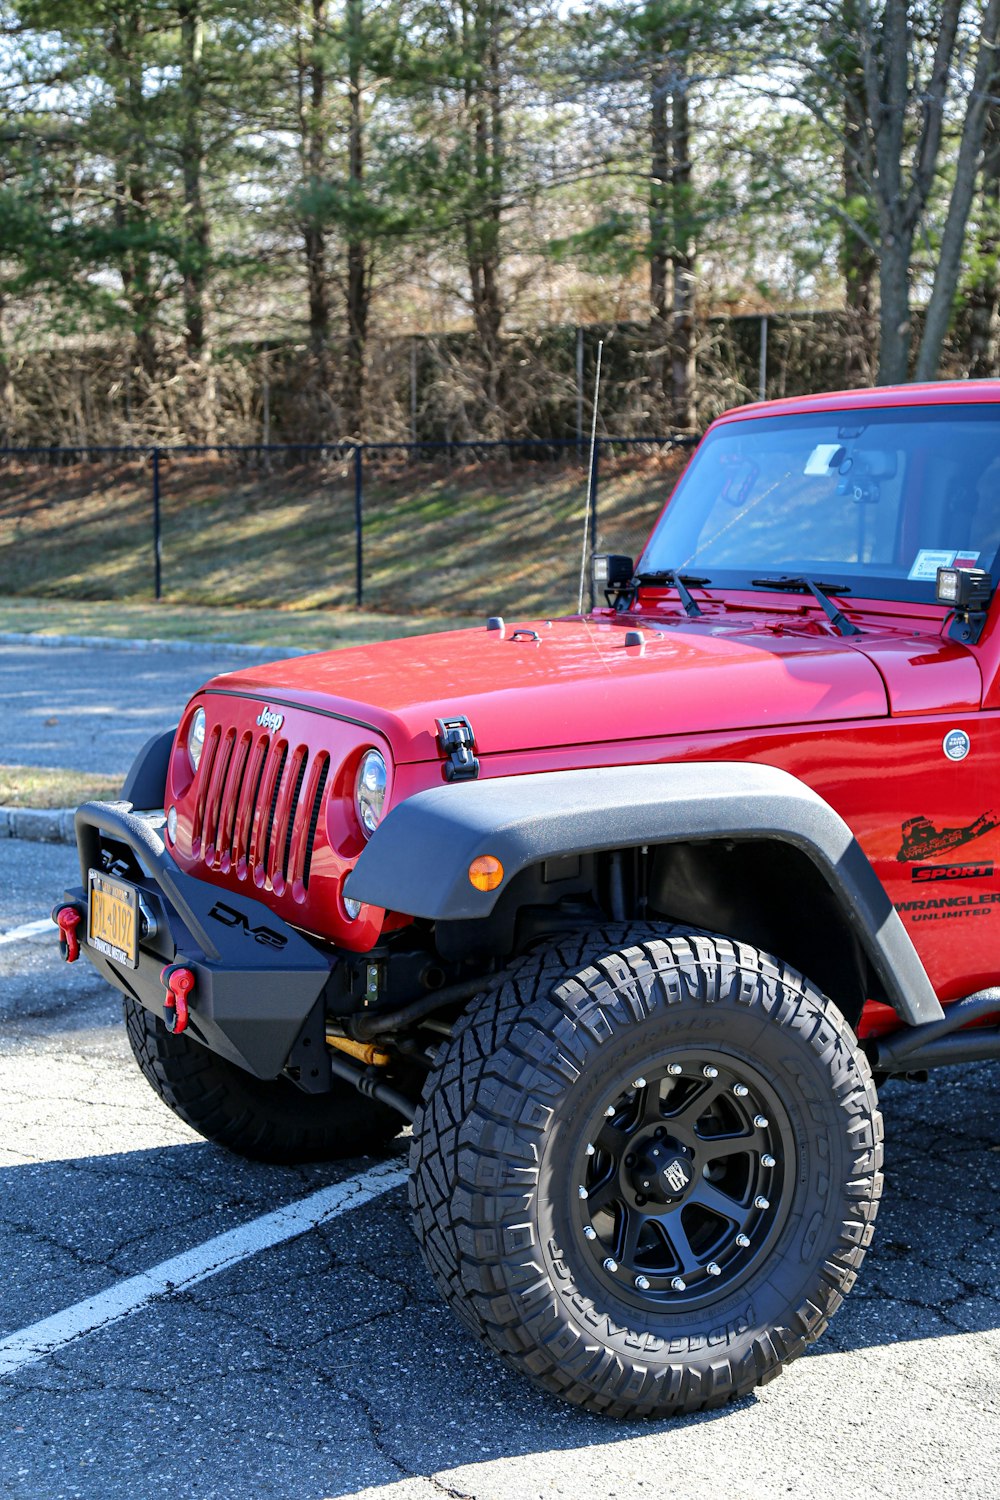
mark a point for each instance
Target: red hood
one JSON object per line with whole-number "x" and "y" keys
{"x": 577, "y": 684}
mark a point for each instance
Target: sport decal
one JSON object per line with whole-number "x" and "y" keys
{"x": 921, "y": 839}
{"x": 924, "y": 874}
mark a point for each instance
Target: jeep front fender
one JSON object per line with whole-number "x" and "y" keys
{"x": 417, "y": 861}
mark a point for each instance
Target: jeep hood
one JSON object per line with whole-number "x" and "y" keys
{"x": 573, "y": 682}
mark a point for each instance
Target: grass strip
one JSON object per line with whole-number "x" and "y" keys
{"x": 40, "y": 786}
{"x": 309, "y": 630}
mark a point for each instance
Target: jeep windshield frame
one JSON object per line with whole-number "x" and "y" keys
{"x": 872, "y": 499}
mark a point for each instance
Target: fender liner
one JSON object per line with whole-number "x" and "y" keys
{"x": 417, "y": 861}
{"x": 146, "y": 782}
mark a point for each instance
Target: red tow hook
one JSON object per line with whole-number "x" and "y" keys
{"x": 179, "y": 983}
{"x": 68, "y": 919}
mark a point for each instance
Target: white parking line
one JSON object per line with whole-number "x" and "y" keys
{"x": 28, "y": 930}
{"x": 183, "y": 1271}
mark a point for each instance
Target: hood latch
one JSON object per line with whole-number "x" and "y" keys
{"x": 458, "y": 741}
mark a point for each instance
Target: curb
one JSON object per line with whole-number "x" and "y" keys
{"x": 133, "y": 643}
{"x": 37, "y": 825}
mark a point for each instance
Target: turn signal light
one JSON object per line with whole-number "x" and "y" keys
{"x": 486, "y": 872}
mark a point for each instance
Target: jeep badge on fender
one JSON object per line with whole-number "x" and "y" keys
{"x": 621, "y": 912}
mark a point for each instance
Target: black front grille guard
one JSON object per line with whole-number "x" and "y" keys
{"x": 259, "y": 983}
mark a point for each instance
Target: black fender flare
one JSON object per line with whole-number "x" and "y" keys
{"x": 146, "y": 782}
{"x": 417, "y": 861}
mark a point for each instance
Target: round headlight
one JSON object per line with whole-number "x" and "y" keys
{"x": 196, "y": 736}
{"x": 369, "y": 793}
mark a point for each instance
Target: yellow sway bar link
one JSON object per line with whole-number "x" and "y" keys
{"x": 365, "y": 1052}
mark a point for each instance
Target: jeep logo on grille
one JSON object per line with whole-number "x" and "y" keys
{"x": 268, "y": 719}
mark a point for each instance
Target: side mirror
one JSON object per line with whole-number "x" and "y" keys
{"x": 968, "y": 591}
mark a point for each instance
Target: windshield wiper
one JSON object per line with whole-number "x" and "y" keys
{"x": 680, "y": 582}
{"x": 821, "y": 593}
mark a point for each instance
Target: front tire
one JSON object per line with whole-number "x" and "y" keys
{"x": 264, "y": 1119}
{"x": 646, "y": 1169}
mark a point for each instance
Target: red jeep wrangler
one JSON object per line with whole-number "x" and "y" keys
{"x": 626, "y": 913}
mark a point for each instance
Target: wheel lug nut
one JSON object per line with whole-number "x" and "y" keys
{"x": 609, "y": 1111}
{"x": 630, "y": 1159}
{"x": 640, "y": 1200}
{"x": 642, "y": 1283}
{"x": 713, "y": 1268}
{"x": 679, "y": 1284}
{"x": 610, "y": 1265}
{"x": 645, "y": 1184}
{"x": 743, "y": 1240}
{"x": 761, "y": 1202}
{"x": 582, "y": 1191}
{"x": 740, "y": 1090}
{"x": 660, "y": 1132}
{"x": 590, "y": 1233}
{"x": 709, "y": 1071}
{"x": 638, "y": 1083}
{"x": 590, "y": 1149}
{"x": 767, "y": 1160}
{"x": 760, "y": 1121}
{"x": 673, "y": 1069}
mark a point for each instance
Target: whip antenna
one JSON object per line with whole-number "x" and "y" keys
{"x": 590, "y": 483}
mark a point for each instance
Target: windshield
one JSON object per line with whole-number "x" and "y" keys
{"x": 875, "y": 499}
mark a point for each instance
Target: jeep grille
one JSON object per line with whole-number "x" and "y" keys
{"x": 257, "y": 808}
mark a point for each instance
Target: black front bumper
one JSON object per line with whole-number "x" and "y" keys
{"x": 259, "y": 988}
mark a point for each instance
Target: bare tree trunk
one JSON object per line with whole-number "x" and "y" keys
{"x": 682, "y": 362}
{"x": 984, "y": 295}
{"x": 485, "y": 111}
{"x": 196, "y": 251}
{"x": 858, "y": 260}
{"x": 7, "y": 396}
{"x": 885, "y": 45}
{"x": 659, "y": 208}
{"x": 313, "y": 127}
{"x": 131, "y": 208}
{"x": 659, "y": 185}
{"x": 895, "y": 325}
{"x": 358, "y": 254}
{"x": 950, "y": 256}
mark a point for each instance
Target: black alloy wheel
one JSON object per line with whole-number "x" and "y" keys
{"x": 684, "y": 1179}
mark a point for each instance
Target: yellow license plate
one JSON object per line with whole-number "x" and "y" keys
{"x": 114, "y": 919}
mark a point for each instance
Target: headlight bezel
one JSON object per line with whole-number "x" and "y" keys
{"x": 195, "y": 741}
{"x": 371, "y": 793}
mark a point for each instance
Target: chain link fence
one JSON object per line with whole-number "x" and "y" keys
{"x": 444, "y": 528}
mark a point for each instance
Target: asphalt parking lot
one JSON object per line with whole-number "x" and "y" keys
{"x": 92, "y": 710}
{"x": 326, "y": 1365}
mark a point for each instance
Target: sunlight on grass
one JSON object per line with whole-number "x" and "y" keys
{"x": 438, "y": 540}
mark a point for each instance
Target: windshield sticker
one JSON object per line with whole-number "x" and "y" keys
{"x": 965, "y": 559}
{"x": 821, "y": 459}
{"x": 927, "y": 563}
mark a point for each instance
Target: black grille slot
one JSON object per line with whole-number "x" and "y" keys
{"x": 314, "y": 820}
{"x": 255, "y": 795}
{"x": 215, "y": 816}
{"x": 292, "y": 806}
{"x": 236, "y": 801}
{"x": 273, "y": 807}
